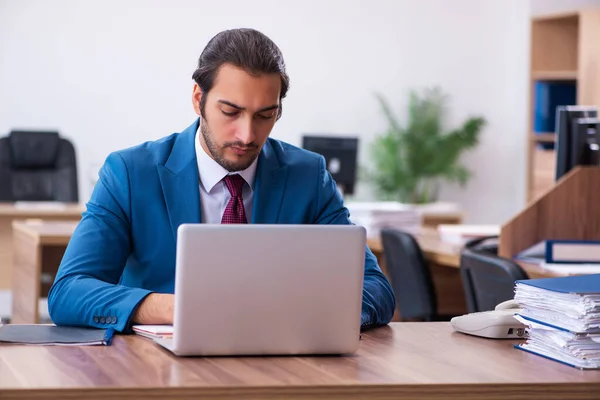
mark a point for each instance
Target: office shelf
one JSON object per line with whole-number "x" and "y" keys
{"x": 554, "y": 75}
{"x": 563, "y": 47}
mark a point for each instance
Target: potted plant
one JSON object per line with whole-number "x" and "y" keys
{"x": 409, "y": 162}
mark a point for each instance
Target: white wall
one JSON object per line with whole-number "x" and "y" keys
{"x": 541, "y": 7}
{"x": 110, "y": 74}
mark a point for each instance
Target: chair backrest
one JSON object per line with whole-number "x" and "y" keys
{"x": 410, "y": 276}
{"x": 37, "y": 166}
{"x": 487, "y": 278}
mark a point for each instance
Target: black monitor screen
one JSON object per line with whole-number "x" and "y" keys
{"x": 340, "y": 154}
{"x": 586, "y": 141}
{"x": 568, "y": 143}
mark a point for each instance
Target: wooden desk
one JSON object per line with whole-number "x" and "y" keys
{"x": 406, "y": 360}
{"x": 434, "y": 249}
{"x": 11, "y": 211}
{"x": 440, "y": 253}
{"x": 433, "y": 219}
{"x": 444, "y": 263}
{"x": 444, "y": 260}
{"x": 38, "y": 247}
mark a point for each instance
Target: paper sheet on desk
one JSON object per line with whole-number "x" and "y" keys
{"x": 572, "y": 269}
{"x": 154, "y": 331}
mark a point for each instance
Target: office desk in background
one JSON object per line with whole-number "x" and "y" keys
{"x": 406, "y": 360}
{"x": 40, "y": 245}
{"x": 12, "y": 211}
{"x": 444, "y": 263}
{"x": 38, "y": 248}
{"x": 440, "y": 253}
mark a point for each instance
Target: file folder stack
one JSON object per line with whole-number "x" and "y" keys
{"x": 563, "y": 318}
{"x": 380, "y": 215}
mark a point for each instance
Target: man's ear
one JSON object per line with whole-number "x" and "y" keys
{"x": 196, "y": 98}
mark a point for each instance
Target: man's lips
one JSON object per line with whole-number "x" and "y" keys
{"x": 240, "y": 151}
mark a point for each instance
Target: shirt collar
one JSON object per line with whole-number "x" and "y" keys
{"x": 211, "y": 172}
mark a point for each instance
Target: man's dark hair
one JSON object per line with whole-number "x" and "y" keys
{"x": 247, "y": 49}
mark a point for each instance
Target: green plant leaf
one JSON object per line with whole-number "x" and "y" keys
{"x": 409, "y": 162}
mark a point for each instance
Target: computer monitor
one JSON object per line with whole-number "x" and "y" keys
{"x": 340, "y": 154}
{"x": 586, "y": 141}
{"x": 570, "y": 150}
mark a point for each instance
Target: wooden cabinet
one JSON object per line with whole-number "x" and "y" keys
{"x": 564, "y": 47}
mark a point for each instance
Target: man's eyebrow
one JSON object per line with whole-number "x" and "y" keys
{"x": 230, "y": 104}
{"x": 273, "y": 107}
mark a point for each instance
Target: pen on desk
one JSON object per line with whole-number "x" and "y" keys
{"x": 108, "y": 336}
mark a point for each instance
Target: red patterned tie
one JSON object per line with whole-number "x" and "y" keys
{"x": 234, "y": 212}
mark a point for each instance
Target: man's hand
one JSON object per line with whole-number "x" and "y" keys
{"x": 155, "y": 309}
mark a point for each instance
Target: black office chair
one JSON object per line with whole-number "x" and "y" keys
{"x": 410, "y": 277}
{"x": 487, "y": 278}
{"x": 37, "y": 166}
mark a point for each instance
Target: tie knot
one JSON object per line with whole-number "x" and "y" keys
{"x": 234, "y": 183}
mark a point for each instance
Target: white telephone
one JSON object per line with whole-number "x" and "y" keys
{"x": 497, "y": 324}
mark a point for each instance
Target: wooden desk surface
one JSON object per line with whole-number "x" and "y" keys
{"x": 12, "y": 211}
{"x": 417, "y": 360}
{"x": 46, "y": 232}
{"x": 446, "y": 254}
{"x": 41, "y": 210}
{"x": 435, "y": 250}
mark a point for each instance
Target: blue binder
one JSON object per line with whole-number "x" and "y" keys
{"x": 578, "y": 284}
{"x": 548, "y": 357}
{"x": 548, "y": 96}
{"x": 583, "y": 285}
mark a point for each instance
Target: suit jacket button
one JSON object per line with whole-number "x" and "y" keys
{"x": 102, "y": 320}
{"x": 114, "y": 319}
{"x": 96, "y": 319}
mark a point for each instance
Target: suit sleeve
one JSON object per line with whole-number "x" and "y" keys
{"x": 379, "y": 302}
{"x": 86, "y": 290}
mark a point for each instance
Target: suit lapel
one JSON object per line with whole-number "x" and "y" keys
{"x": 180, "y": 182}
{"x": 271, "y": 179}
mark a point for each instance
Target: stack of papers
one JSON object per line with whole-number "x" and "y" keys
{"x": 439, "y": 208}
{"x": 381, "y": 215}
{"x": 460, "y": 234}
{"x": 154, "y": 331}
{"x": 563, "y": 318}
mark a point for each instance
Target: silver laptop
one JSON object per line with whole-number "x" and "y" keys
{"x": 267, "y": 290}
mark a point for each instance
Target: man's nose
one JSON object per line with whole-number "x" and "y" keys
{"x": 245, "y": 131}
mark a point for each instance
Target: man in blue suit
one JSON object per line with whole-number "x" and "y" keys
{"x": 119, "y": 267}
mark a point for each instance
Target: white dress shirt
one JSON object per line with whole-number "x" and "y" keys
{"x": 214, "y": 194}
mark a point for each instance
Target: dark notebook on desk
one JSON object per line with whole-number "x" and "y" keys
{"x": 55, "y": 335}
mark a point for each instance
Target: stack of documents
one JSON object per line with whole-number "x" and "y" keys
{"x": 381, "y": 215}
{"x": 563, "y": 318}
{"x": 460, "y": 234}
{"x": 154, "y": 331}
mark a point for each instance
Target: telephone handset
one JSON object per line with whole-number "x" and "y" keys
{"x": 497, "y": 324}
{"x": 508, "y": 305}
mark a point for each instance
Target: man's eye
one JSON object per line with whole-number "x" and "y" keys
{"x": 262, "y": 116}
{"x": 230, "y": 114}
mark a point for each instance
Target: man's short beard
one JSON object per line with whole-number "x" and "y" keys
{"x": 213, "y": 149}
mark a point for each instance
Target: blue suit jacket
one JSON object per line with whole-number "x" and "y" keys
{"x": 124, "y": 246}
